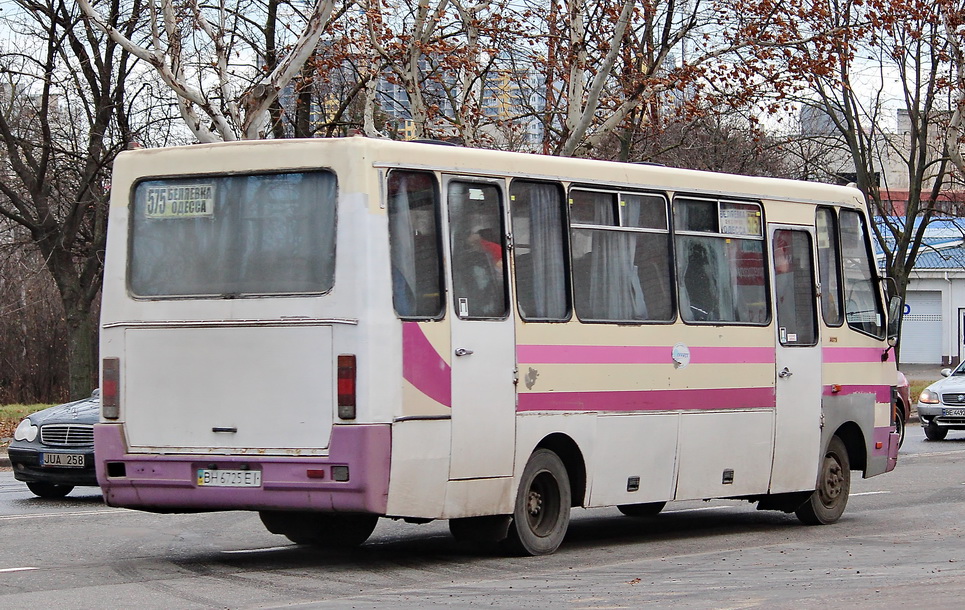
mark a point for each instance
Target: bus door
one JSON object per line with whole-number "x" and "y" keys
{"x": 482, "y": 332}
{"x": 797, "y": 361}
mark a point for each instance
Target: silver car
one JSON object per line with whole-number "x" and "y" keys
{"x": 941, "y": 406}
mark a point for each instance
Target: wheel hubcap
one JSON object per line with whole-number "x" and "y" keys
{"x": 833, "y": 480}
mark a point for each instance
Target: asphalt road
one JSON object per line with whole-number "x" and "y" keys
{"x": 900, "y": 542}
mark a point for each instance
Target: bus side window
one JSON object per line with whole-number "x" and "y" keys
{"x": 414, "y": 246}
{"x": 621, "y": 256}
{"x": 539, "y": 251}
{"x": 862, "y": 310}
{"x": 720, "y": 261}
{"x": 829, "y": 266}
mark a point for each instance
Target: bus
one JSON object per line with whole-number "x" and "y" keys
{"x": 331, "y": 331}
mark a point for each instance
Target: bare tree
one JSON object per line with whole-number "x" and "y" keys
{"x": 906, "y": 42}
{"x": 66, "y": 113}
{"x": 212, "y": 57}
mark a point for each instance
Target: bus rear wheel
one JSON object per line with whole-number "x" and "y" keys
{"x": 542, "y": 511}
{"x": 829, "y": 499}
{"x": 327, "y": 530}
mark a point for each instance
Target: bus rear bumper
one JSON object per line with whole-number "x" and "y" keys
{"x": 354, "y": 477}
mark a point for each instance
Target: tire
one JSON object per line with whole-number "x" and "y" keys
{"x": 542, "y": 511}
{"x": 648, "y": 509}
{"x": 325, "y": 530}
{"x": 49, "y": 490}
{"x": 935, "y": 433}
{"x": 900, "y": 427}
{"x": 829, "y": 499}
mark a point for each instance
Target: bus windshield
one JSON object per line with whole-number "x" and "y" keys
{"x": 232, "y": 236}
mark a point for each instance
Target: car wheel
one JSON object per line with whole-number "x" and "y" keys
{"x": 542, "y": 511}
{"x": 830, "y": 497}
{"x": 648, "y": 509}
{"x": 49, "y": 490}
{"x": 935, "y": 433}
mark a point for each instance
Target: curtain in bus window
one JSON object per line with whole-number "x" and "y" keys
{"x": 829, "y": 266}
{"x": 652, "y": 269}
{"x": 234, "y": 235}
{"x": 414, "y": 245}
{"x": 794, "y": 288}
{"x": 605, "y": 281}
{"x": 539, "y": 252}
{"x": 862, "y": 309}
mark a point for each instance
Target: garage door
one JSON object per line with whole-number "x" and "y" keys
{"x": 921, "y": 330}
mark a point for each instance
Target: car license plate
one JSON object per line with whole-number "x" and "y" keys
{"x": 953, "y": 412}
{"x": 62, "y": 460}
{"x": 229, "y": 478}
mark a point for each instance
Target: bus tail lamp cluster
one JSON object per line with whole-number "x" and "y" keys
{"x": 346, "y": 386}
{"x": 110, "y": 388}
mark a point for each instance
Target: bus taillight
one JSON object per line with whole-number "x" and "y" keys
{"x": 346, "y": 386}
{"x": 110, "y": 393}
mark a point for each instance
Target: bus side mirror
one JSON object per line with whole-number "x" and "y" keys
{"x": 896, "y": 306}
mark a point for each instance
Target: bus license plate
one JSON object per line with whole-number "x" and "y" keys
{"x": 229, "y": 478}
{"x": 62, "y": 460}
{"x": 954, "y": 413}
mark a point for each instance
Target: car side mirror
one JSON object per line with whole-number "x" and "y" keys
{"x": 946, "y": 372}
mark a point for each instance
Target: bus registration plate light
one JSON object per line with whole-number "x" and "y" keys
{"x": 228, "y": 478}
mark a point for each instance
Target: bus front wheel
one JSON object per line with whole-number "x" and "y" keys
{"x": 328, "y": 530}
{"x": 826, "y": 504}
{"x": 542, "y": 510}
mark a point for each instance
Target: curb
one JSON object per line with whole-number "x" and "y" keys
{"x": 4, "y": 459}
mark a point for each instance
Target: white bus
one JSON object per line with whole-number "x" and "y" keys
{"x": 330, "y": 331}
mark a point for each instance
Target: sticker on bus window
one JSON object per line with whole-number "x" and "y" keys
{"x": 182, "y": 201}
{"x": 477, "y": 195}
{"x": 743, "y": 220}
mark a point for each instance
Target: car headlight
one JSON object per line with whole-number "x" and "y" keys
{"x": 929, "y": 397}
{"x": 26, "y": 431}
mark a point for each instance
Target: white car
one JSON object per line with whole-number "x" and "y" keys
{"x": 941, "y": 406}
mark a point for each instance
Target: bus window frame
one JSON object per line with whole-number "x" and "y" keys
{"x": 619, "y": 227}
{"x": 439, "y": 236}
{"x": 836, "y": 269}
{"x": 874, "y": 280}
{"x": 567, "y": 263}
{"x": 502, "y": 192}
{"x": 762, "y": 238}
{"x": 129, "y": 246}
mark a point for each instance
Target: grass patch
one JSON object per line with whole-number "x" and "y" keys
{"x": 915, "y": 388}
{"x": 12, "y": 415}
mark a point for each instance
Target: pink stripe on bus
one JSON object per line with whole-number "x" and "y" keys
{"x": 423, "y": 367}
{"x": 882, "y": 393}
{"x": 649, "y": 400}
{"x": 633, "y": 354}
{"x": 854, "y": 354}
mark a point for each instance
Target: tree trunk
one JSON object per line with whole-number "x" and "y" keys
{"x": 82, "y": 351}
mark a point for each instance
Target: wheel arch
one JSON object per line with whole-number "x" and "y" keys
{"x": 571, "y": 456}
{"x": 854, "y": 441}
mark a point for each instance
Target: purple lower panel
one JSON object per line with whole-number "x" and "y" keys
{"x": 886, "y": 444}
{"x": 169, "y": 482}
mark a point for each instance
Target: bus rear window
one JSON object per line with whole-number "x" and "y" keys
{"x": 231, "y": 236}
